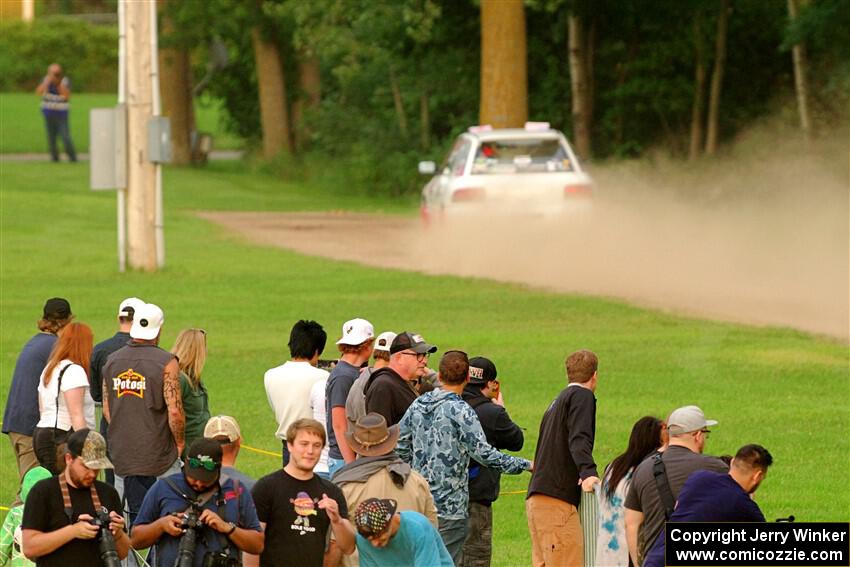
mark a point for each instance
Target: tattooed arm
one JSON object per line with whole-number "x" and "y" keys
{"x": 105, "y": 389}
{"x": 174, "y": 401}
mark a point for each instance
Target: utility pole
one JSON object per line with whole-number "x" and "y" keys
{"x": 141, "y": 172}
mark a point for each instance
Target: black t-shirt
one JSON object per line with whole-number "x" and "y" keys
{"x": 44, "y": 511}
{"x": 296, "y": 528}
{"x": 389, "y": 394}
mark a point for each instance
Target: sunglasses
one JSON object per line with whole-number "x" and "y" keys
{"x": 205, "y": 464}
{"x": 419, "y": 356}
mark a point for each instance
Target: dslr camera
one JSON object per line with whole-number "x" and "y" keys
{"x": 105, "y": 541}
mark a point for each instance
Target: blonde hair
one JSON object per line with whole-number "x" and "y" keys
{"x": 190, "y": 348}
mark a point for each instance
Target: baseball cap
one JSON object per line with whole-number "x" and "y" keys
{"x": 372, "y": 517}
{"x": 203, "y": 460}
{"x": 147, "y": 321}
{"x": 57, "y": 308}
{"x": 355, "y": 332}
{"x": 412, "y": 341}
{"x": 481, "y": 370}
{"x": 129, "y": 306}
{"x": 687, "y": 419}
{"x": 384, "y": 341}
{"x": 90, "y": 446}
{"x": 222, "y": 426}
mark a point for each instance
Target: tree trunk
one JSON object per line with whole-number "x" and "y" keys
{"x": 425, "y": 121}
{"x": 717, "y": 78}
{"x": 309, "y": 95}
{"x": 401, "y": 117}
{"x": 270, "y": 81}
{"x": 699, "y": 90}
{"x": 176, "y": 73}
{"x": 504, "y": 74}
{"x": 141, "y": 173}
{"x": 798, "y": 53}
{"x": 578, "y": 54}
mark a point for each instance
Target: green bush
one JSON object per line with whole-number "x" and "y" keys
{"x": 88, "y": 53}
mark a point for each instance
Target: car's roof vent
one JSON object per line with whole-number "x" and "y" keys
{"x": 536, "y": 126}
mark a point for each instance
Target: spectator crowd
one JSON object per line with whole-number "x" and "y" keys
{"x": 384, "y": 462}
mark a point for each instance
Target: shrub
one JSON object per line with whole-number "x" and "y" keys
{"x": 87, "y": 52}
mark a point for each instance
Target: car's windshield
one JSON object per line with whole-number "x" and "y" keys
{"x": 527, "y": 155}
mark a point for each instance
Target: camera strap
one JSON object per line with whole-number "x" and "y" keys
{"x": 202, "y": 498}
{"x": 66, "y": 497}
{"x": 665, "y": 494}
{"x": 224, "y": 544}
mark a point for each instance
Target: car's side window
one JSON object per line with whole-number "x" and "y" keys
{"x": 457, "y": 157}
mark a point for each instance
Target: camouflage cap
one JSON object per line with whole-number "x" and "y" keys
{"x": 90, "y": 446}
{"x": 372, "y": 517}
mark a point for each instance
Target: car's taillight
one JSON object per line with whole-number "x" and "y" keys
{"x": 469, "y": 194}
{"x": 577, "y": 190}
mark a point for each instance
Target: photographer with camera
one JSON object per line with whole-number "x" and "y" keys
{"x": 199, "y": 517}
{"x": 55, "y": 92}
{"x": 72, "y": 518}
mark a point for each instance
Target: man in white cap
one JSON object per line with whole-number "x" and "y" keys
{"x": 226, "y": 431}
{"x": 355, "y": 347}
{"x": 355, "y": 405}
{"x": 101, "y": 352}
{"x": 144, "y": 408}
{"x": 657, "y": 481}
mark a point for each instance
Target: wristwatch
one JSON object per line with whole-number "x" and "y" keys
{"x": 232, "y": 528}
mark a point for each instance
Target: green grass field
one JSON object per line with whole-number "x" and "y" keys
{"x": 784, "y": 389}
{"x": 22, "y": 126}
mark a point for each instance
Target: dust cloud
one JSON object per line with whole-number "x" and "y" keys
{"x": 760, "y": 236}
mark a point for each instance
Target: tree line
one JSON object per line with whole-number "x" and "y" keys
{"x": 375, "y": 85}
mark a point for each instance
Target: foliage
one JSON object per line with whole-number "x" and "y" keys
{"x": 88, "y": 53}
{"x": 823, "y": 26}
{"x": 756, "y": 381}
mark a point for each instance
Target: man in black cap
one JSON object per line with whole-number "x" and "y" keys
{"x": 22, "y": 414}
{"x": 389, "y": 390}
{"x": 221, "y": 508}
{"x": 483, "y": 394}
{"x": 56, "y": 527}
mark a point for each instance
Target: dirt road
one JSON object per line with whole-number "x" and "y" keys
{"x": 715, "y": 264}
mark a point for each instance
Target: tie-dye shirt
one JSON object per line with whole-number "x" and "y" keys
{"x": 611, "y": 546}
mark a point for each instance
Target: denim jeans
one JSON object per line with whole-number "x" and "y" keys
{"x": 57, "y": 125}
{"x": 453, "y": 533}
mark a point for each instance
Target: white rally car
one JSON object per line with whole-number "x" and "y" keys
{"x": 525, "y": 170}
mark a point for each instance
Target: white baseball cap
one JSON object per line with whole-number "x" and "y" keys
{"x": 147, "y": 321}
{"x": 384, "y": 341}
{"x": 687, "y": 419}
{"x": 131, "y": 303}
{"x": 355, "y": 332}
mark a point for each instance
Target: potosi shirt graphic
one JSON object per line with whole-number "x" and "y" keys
{"x": 129, "y": 383}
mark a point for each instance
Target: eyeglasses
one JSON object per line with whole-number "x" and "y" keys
{"x": 198, "y": 463}
{"x": 420, "y": 356}
{"x": 705, "y": 432}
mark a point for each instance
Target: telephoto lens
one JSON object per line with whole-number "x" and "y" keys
{"x": 105, "y": 541}
{"x": 189, "y": 539}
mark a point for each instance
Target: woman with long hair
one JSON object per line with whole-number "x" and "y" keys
{"x": 190, "y": 348}
{"x": 649, "y": 434}
{"x": 64, "y": 400}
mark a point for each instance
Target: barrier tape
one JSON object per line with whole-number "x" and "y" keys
{"x": 262, "y": 451}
